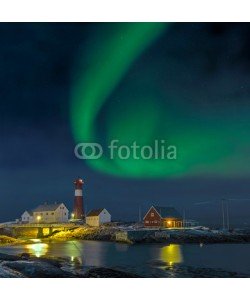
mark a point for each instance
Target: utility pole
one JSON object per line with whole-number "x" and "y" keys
{"x": 139, "y": 214}
{"x": 223, "y": 214}
{"x": 227, "y": 213}
{"x": 184, "y": 217}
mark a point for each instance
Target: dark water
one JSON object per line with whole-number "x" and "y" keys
{"x": 144, "y": 259}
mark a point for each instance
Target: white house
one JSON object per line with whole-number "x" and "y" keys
{"x": 51, "y": 213}
{"x": 96, "y": 217}
{"x": 27, "y": 217}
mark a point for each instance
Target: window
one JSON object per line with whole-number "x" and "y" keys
{"x": 47, "y": 214}
{"x": 65, "y": 214}
{"x": 152, "y": 214}
{"x": 52, "y": 214}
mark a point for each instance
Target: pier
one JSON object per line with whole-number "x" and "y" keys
{"x": 34, "y": 229}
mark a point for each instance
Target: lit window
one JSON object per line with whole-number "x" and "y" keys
{"x": 152, "y": 214}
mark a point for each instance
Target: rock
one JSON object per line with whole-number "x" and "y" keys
{"x": 8, "y": 273}
{"x": 183, "y": 271}
{"x": 25, "y": 256}
{"x": 54, "y": 261}
{"x": 108, "y": 273}
{"x": 208, "y": 238}
{"x": 36, "y": 269}
{"x": 5, "y": 239}
{"x": 9, "y": 257}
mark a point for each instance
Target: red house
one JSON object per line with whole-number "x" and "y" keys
{"x": 159, "y": 216}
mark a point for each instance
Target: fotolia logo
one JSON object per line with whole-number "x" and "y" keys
{"x": 160, "y": 150}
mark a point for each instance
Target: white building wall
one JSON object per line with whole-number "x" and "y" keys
{"x": 105, "y": 217}
{"x": 26, "y": 217}
{"x": 95, "y": 221}
{"x": 44, "y": 217}
{"x": 60, "y": 215}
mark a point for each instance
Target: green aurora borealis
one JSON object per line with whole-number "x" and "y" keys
{"x": 211, "y": 139}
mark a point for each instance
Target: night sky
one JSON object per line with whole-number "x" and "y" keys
{"x": 186, "y": 83}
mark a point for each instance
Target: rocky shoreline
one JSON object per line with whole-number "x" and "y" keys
{"x": 173, "y": 237}
{"x": 208, "y": 239}
{"x": 184, "y": 271}
{"x": 25, "y": 266}
{"x": 86, "y": 233}
{"x": 137, "y": 236}
{"x": 7, "y": 240}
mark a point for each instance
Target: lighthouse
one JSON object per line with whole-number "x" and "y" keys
{"x": 78, "y": 211}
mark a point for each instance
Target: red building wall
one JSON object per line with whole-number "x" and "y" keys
{"x": 152, "y": 218}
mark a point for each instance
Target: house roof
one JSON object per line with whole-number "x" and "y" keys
{"x": 168, "y": 212}
{"x": 95, "y": 212}
{"x": 30, "y": 212}
{"x": 47, "y": 207}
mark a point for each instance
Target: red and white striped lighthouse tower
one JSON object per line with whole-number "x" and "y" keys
{"x": 78, "y": 201}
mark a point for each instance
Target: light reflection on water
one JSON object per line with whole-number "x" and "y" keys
{"x": 141, "y": 257}
{"x": 38, "y": 249}
{"x": 171, "y": 254}
{"x": 90, "y": 253}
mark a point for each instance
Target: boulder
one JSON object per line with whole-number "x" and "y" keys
{"x": 183, "y": 271}
{"x": 8, "y": 257}
{"x": 36, "y": 269}
{"x": 108, "y": 273}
